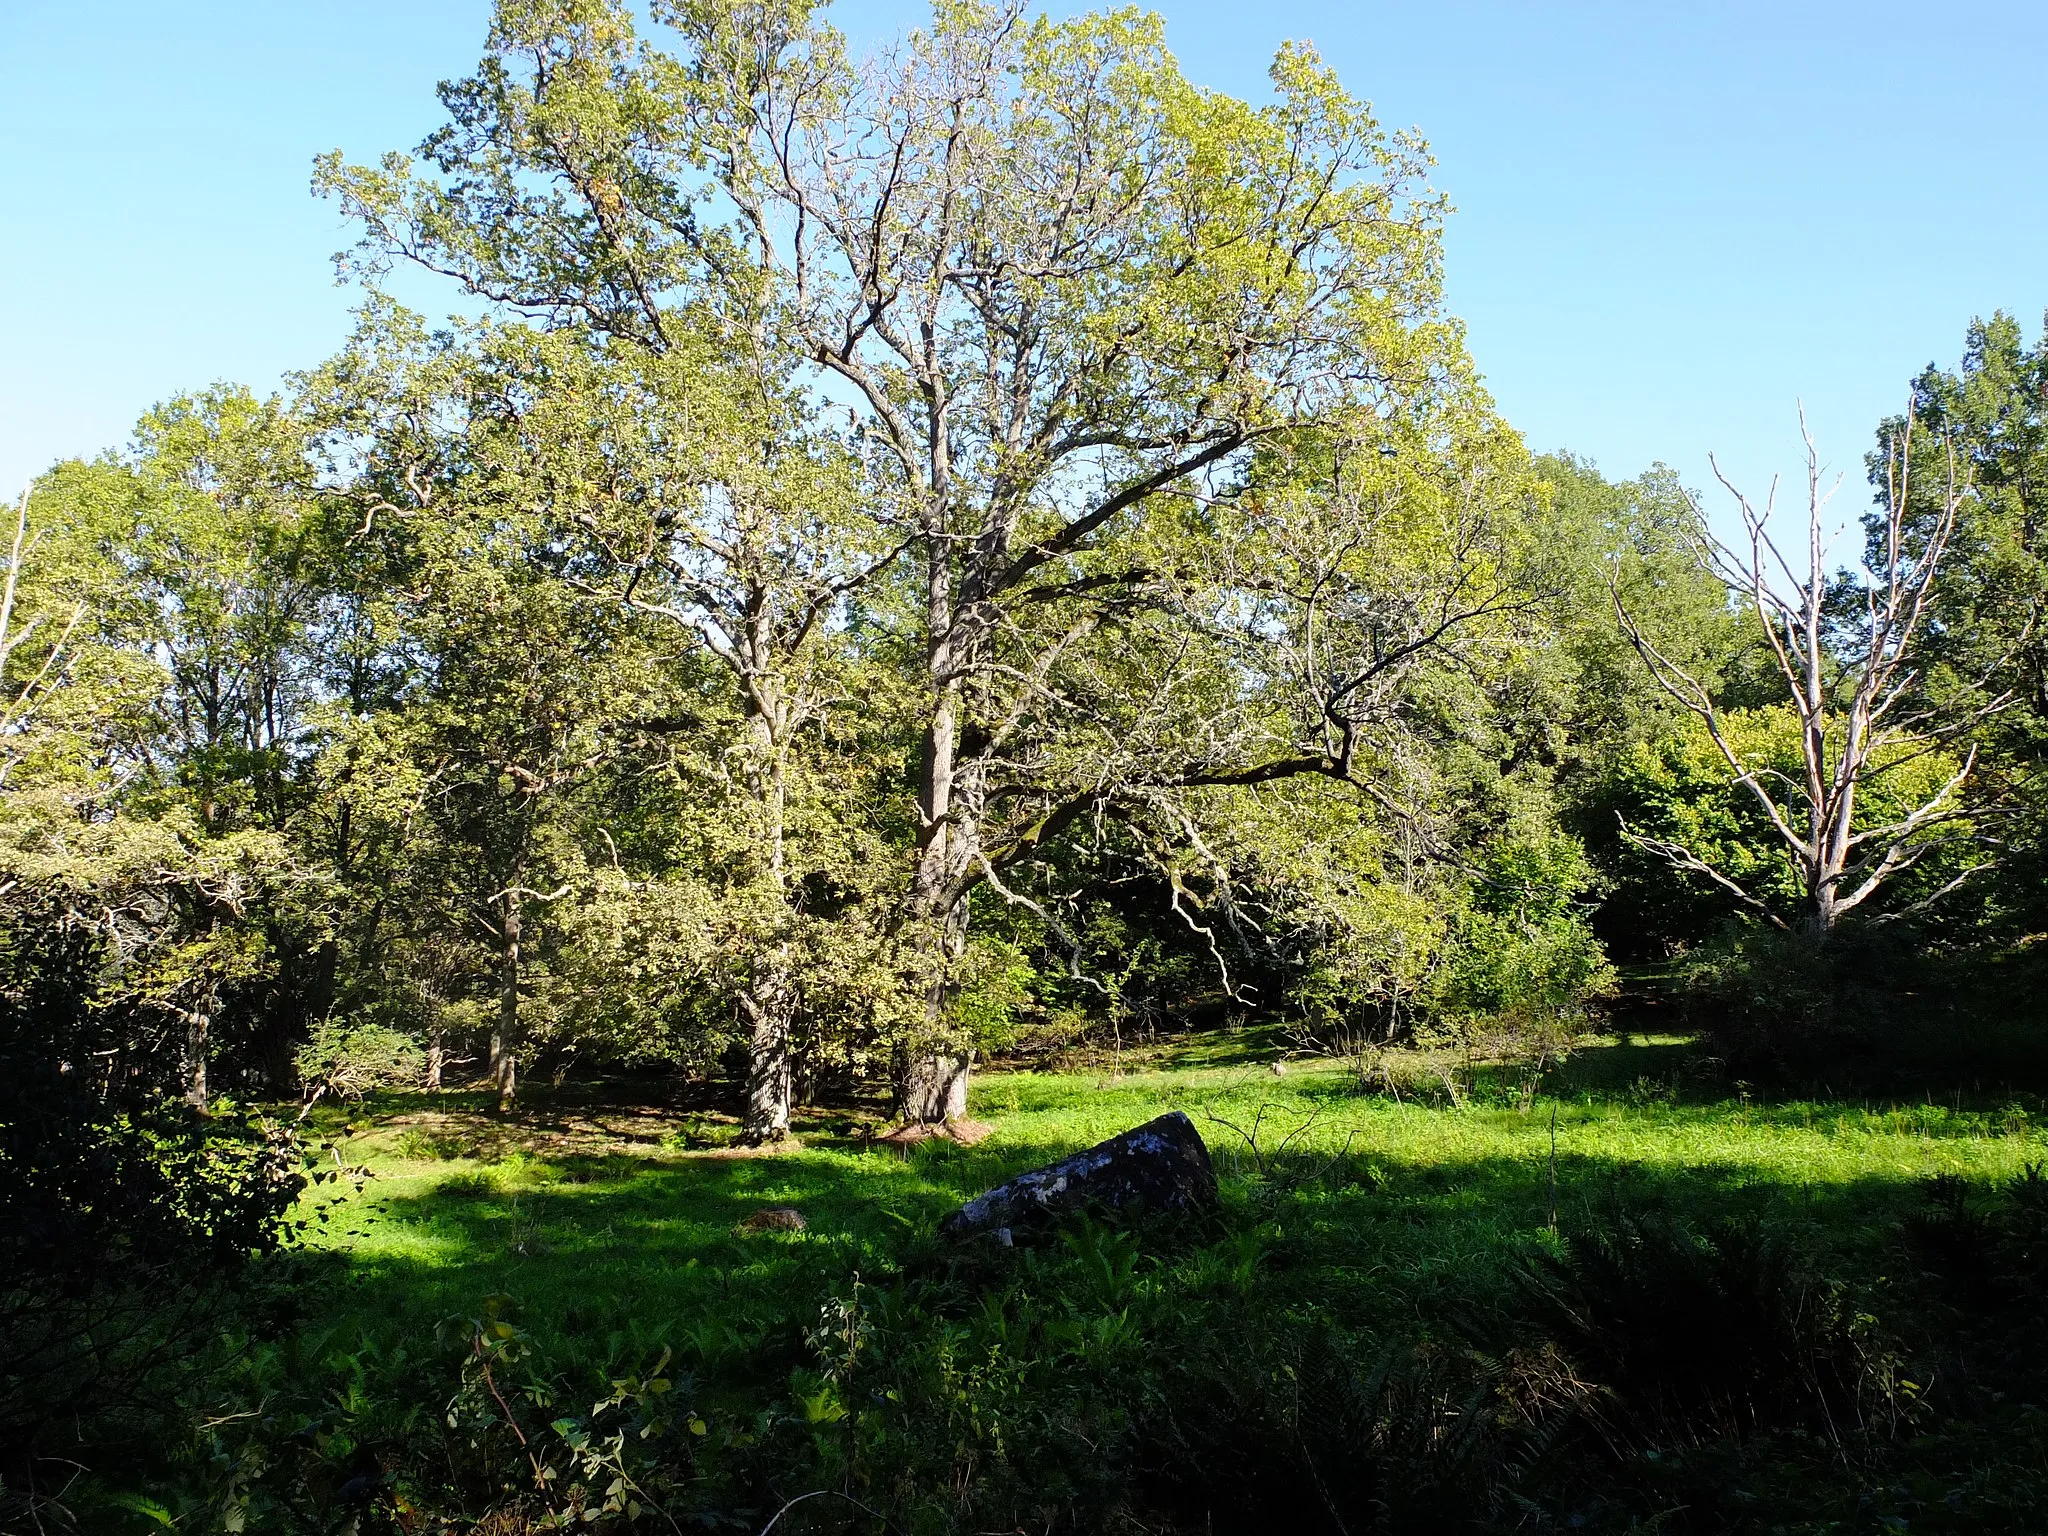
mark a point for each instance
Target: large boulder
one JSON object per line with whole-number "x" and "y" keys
{"x": 1162, "y": 1165}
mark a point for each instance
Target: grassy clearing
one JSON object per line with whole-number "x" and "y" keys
{"x": 616, "y": 1217}
{"x": 1368, "y": 1275}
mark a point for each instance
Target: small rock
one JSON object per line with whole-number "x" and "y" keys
{"x": 1162, "y": 1165}
{"x": 775, "y": 1218}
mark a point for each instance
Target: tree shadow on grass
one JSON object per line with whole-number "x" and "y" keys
{"x": 611, "y": 1260}
{"x": 601, "y": 1237}
{"x": 592, "y": 1244}
{"x": 589, "y": 1245}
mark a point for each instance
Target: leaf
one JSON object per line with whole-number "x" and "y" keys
{"x": 136, "y": 1503}
{"x": 823, "y": 1406}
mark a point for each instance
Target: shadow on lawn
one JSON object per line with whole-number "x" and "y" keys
{"x": 612, "y": 1260}
{"x": 593, "y": 1246}
{"x": 1411, "y": 1245}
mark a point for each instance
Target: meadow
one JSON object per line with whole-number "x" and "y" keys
{"x": 1623, "y": 1298}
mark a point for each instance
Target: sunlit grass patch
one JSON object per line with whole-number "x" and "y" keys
{"x": 1363, "y": 1236}
{"x": 547, "y": 1208}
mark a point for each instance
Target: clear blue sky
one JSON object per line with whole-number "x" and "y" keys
{"x": 1674, "y": 220}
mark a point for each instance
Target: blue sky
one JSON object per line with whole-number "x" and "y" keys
{"x": 1674, "y": 221}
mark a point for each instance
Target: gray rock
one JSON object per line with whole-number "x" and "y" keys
{"x": 775, "y": 1218}
{"x": 1162, "y": 1165}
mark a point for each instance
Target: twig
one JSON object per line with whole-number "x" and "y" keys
{"x": 827, "y": 1493}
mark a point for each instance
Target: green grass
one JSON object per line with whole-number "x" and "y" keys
{"x": 591, "y": 1233}
{"x": 616, "y": 1228}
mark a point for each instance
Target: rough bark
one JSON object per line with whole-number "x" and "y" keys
{"x": 926, "y": 1074}
{"x": 505, "y": 1034}
{"x": 769, "y": 1003}
{"x": 933, "y": 1087}
{"x": 769, "y": 1007}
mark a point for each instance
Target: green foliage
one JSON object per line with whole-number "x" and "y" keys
{"x": 1699, "y": 1335}
{"x": 1020, "y": 623}
{"x": 1527, "y": 970}
{"x": 125, "y": 1219}
{"x": 1677, "y": 788}
{"x": 996, "y": 985}
{"x": 1635, "y": 535}
{"x": 350, "y": 1057}
{"x": 1985, "y": 424}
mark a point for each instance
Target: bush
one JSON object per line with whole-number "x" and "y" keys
{"x": 1526, "y": 973}
{"x": 479, "y": 1418}
{"x": 350, "y": 1059}
{"x": 1985, "y": 1249}
{"x": 1296, "y": 1430}
{"x": 1692, "y": 1336}
{"x": 125, "y": 1216}
{"x": 1778, "y": 1009}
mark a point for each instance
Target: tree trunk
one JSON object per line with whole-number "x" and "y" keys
{"x": 934, "y": 1087}
{"x": 769, "y": 1006}
{"x": 437, "y": 1055}
{"x": 769, "y": 998}
{"x": 1817, "y": 922}
{"x": 931, "y": 1076}
{"x": 505, "y": 1037}
{"x": 198, "y": 1028}
{"x": 192, "y": 1064}
{"x": 936, "y": 1059}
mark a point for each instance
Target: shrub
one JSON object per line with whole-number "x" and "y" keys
{"x": 125, "y": 1215}
{"x": 1525, "y": 973}
{"x": 1692, "y": 1336}
{"x": 1777, "y": 1008}
{"x": 351, "y": 1058}
{"x": 1985, "y": 1249}
{"x": 1295, "y": 1430}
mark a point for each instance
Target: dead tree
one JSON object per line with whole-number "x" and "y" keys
{"x": 1853, "y": 666}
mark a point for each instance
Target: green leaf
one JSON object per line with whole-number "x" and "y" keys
{"x": 137, "y": 1504}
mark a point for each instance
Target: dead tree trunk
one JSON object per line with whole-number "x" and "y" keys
{"x": 1860, "y": 709}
